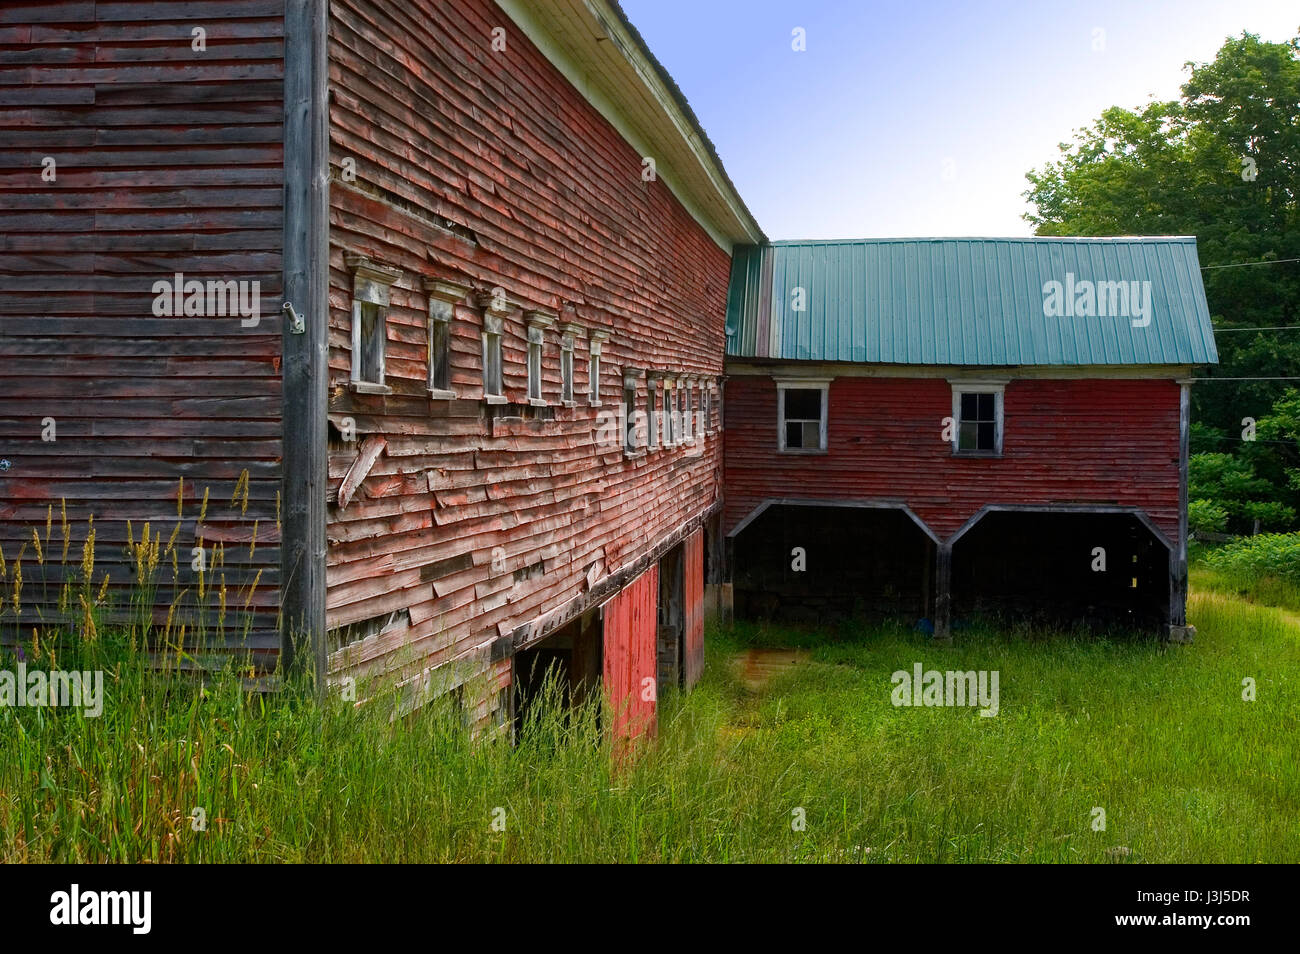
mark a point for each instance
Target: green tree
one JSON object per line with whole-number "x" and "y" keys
{"x": 1222, "y": 163}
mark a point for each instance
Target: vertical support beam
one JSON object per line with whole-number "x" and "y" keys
{"x": 305, "y": 366}
{"x": 943, "y": 592}
{"x": 1178, "y": 556}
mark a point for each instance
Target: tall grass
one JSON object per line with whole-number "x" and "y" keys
{"x": 1158, "y": 737}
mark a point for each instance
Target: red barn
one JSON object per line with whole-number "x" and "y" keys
{"x": 940, "y": 427}
{"x": 390, "y": 338}
{"x": 372, "y": 302}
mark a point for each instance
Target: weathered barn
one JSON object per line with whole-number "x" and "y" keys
{"x": 481, "y": 234}
{"x": 391, "y": 337}
{"x": 962, "y": 426}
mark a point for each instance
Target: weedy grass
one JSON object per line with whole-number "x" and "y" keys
{"x": 1159, "y": 738}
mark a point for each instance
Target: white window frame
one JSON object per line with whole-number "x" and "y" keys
{"x": 538, "y": 322}
{"x": 632, "y": 447}
{"x": 371, "y": 283}
{"x": 996, "y": 388}
{"x": 493, "y": 329}
{"x": 795, "y": 384}
{"x": 444, "y": 296}
{"x": 595, "y": 348}
{"x": 653, "y": 417}
{"x": 668, "y": 405}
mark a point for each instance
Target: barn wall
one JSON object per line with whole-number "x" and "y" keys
{"x": 1065, "y": 441}
{"x": 167, "y": 160}
{"x": 490, "y": 169}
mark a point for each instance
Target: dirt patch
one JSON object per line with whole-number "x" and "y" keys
{"x": 757, "y": 666}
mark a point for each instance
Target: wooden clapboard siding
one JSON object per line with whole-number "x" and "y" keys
{"x": 630, "y": 623}
{"x": 168, "y": 160}
{"x": 693, "y": 592}
{"x": 1103, "y": 441}
{"x": 490, "y": 169}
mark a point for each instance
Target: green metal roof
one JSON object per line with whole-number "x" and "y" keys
{"x": 967, "y": 301}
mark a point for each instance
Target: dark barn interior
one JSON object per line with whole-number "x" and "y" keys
{"x": 1038, "y": 567}
{"x": 858, "y": 563}
{"x": 569, "y": 660}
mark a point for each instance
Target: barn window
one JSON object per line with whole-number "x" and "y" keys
{"x": 977, "y": 419}
{"x": 653, "y": 417}
{"x": 598, "y": 338}
{"x": 670, "y": 418}
{"x": 443, "y": 298}
{"x": 493, "y": 387}
{"x": 538, "y": 322}
{"x": 566, "y": 368}
{"x": 370, "y": 287}
{"x": 683, "y": 410}
{"x": 802, "y": 410}
{"x": 630, "y": 412}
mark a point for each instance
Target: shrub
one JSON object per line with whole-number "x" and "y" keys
{"x": 1268, "y": 554}
{"x": 1206, "y": 516}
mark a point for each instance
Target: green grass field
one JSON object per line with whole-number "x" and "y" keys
{"x": 1158, "y": 737}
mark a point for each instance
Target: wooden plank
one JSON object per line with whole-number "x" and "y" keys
{"x": 693, "y": 571}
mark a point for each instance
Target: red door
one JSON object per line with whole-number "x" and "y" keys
{"x": 631, "y": 624}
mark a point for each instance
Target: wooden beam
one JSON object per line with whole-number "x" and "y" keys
{"x": 305, "y": 368}
{"x": 943, "y": 592}
{"x": 1178, "y": 553}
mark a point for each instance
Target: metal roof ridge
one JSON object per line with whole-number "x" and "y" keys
{"x": 984, "y": 238}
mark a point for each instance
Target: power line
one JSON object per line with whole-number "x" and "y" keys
{"x": 1246, "y": 379}
{"x": 1272, "y": 328}
{"x": 1274, "y": 261}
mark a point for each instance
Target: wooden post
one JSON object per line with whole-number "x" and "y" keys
{"x": 305, "y": 365}
{"x": 943, "y": 592}
{"x": 1178, "y": 630}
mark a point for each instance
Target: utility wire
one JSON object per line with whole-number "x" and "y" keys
{"x": 1246, "y": 379}
{"x": 1274, "y": 261}
{"x": 1272, "y": 328}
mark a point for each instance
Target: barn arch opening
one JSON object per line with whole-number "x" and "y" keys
{"x": 822, "y": 562}
{"x": 1070, "y": 568}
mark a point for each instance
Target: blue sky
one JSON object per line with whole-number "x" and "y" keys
{"x": 921, "y": 118}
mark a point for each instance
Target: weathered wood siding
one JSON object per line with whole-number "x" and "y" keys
{"x": 1065, "y": 441}
{"x": 693, "y": 571}
{"x": 488, "y": 168}
{"x": 630, "y": 625}
{"x": 167, "y": 160}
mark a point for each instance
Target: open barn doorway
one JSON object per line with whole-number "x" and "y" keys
{"x": 566, "y": 664}
{"x": 828, "y": 562}
{"x": 1069, "y": 569}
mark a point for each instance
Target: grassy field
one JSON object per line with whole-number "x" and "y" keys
{"x": 1160, "y": 738}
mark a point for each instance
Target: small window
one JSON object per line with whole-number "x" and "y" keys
{"x": 566, "y": 370}
{"x": 803, "y": 417}
{"x": 652, "y": 415}
{"x": 538, "y": 322}
{"x": 535, "y": 369}
{"x": 977, "y": 413}
{"x": 597, "y": 341}
{"x": 371, "y": 335}
{"x": 370, "y": 291}
{"x": 443, "y": 298}
{"x": 493, "y": 386}
{"x": 629, "y": 414}
{"x": 669, "y": 424}
{"x": 706, "y": 409}
{"x": 688, "y": 412}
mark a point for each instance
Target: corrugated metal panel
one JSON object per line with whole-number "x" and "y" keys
{"x": 631, "y": 624}
{"x": 693, "y": 570}
{"x": 964, "y": 302}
